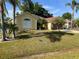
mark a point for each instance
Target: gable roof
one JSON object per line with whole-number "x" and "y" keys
{"x": 30, "y": 14}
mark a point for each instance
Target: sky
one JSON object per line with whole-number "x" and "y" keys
{"x": 55, "y": 7}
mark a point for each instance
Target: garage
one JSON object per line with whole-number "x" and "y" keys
{"x": 27, "y": 24}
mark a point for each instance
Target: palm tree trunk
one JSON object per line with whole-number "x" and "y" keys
{"x": 73, "y": 14}
{"x": 3, "y": 25}
{"x": 72, "y": 18}
{"x": 14, "y": 9}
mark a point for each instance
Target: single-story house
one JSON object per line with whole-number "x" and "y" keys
{"x": 28, "y": 21}
{"x": 50, "y": 20}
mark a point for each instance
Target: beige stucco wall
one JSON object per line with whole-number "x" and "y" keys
{"x": 20, "y": 19}
{"x": 49, "y": 25}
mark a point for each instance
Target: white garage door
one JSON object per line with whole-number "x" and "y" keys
{"x": 27, "y": 24}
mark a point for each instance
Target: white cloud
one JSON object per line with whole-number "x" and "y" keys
{"x": 51, "y": 9}
{"x": 47, "y": 7}
{"x": 56, "y": 11}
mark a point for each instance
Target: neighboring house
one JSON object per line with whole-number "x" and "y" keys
{"x": 27, "y": 21}
{"x": 50, "y": 20}
{"x": 67, "y": 24}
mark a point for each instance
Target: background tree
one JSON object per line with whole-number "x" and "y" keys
{"x": 43, "y": 12}
{"x": 41, "y": 24}
{"x": 27, "y": 5}
{"x": 58, "y": 23}
{"x": 34, "y": 8}
{"x": 77, "y": 22}
{"x": 40, "y": 11}
{"x": 67, "y": 16}
{"x": 75, "y": 6}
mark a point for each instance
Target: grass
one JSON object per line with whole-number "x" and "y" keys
{"x": 74, "y": 54}
{"x": 41, "y": 42}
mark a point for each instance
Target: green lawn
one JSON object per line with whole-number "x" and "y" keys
{"x": 73, "y": 54}
{"x": 36, "y": 43}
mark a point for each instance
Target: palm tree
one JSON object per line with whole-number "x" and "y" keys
{"x": 75, "y": 6}
{"x": 37, "y": 7}
{"x": 3, "y": 12}
{"x": 27, "y": 5}
{"x": 14, "y": 3}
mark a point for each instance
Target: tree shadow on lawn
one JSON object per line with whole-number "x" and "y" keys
{"x": 53, "y": 36}
{"x": 23, "y": 36}
{"x": 56, "y": 36}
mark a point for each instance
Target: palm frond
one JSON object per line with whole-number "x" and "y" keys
{"x": 14, "y": 2}
{"x": 5, "y": 9}
{"x": 11, "y": 2}
{"x": 68, "y": 4}
{"x": 18, "y": 4}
